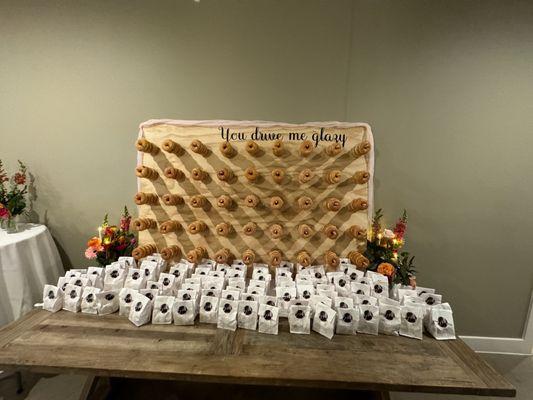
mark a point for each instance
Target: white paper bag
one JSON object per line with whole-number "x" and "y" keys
{"x": 211, "y": 293}
{"x": 167, "y": 284}
{"x": 62, "y": 283}
{"x": 209, "y": 309}
{"x": 285, "y": 295}
{"x": 389, "y": 319}
{"x": 114, "y": 277}
{"x": 441, "y": 325}
{"x": 300, "y": 319}
{"x": 230, "y": 295}
{"x": 247, "y": 314}
{"x": 127, "y": 262}
{"x": 107, "y": 302}
{"x": 72, "y": 298}
{"x": 269, "y": 300}
{"x": 184, "y": 312}
{"x": 347, "y": 321}
{"x": 227, "y": 314}
{"x": 268, "y": 319}
{"x": 52, "y": 298}
{"x": 324, "y": 320}
{"x": 135, "y": 279}
{"x": 151, "y": 270}
{"x": 141, "y": 310}
{"x": 360, "y": 288}
{"x": 368, "y": 319}
{"x": 154, "y": 286}
{"x": 305, "y": 291}
{"x": 411, "y": 322}
{"x": 125, "y": 300}
{"x": 162, "y": 311}
{"x": 89, "y": 303}
{"x": 431, "y": 299}
{"x": 343, "y": 302}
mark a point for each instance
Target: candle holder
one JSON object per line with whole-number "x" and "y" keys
{"x": 305, "y": 231}
{"x": 306, "y": 148}
{"x": 223, "y": 229}
{"x": 361, "y": 177}
{"x": 361, "y": 149}
{"x": 277, "y": 148}
{"x": 171, "y": 252}
{"x": 144, "y": 146}
{"x": 172, "y": 199}
{"x": 196, "y": 227}
{"x": 224, "y": 201}
{"x": 142, "y": 224}
{"x": 251, "y": 201}
{"x": 146, "y": 172}
{"x": 252, "y": 148}
{"x": 171, "y": 146}
{"x": 169, "y": 226}
{"x": 358, "y": 204}
{"x": 146, "y": 198}
{"x": 173, "y": 173}
{"x": 199, "y": 148}
{"x": 198, "y": 201}
{"x": 276, "y": 231}
{"x": 276, "y": 203}
{"x": 227, "y": 150}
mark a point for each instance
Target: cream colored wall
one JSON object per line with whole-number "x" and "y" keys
{"x": 439, "y": 82}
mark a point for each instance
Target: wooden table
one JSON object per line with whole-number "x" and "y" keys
{"x": 111, "y": 346}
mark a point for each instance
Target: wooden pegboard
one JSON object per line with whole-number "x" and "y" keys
{"x": 210, "y": 133}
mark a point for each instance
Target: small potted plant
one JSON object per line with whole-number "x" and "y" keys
{"x": 13, "y": 191}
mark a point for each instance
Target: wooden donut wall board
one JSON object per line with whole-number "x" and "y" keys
{"x": 237, "y": 133}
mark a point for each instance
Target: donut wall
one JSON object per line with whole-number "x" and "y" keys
{"x": 251, "y": 190}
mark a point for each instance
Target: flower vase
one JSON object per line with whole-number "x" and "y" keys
{"x": 9, "y": 225}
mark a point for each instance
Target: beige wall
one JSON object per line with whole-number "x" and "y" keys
{"x": 447, "y": 87}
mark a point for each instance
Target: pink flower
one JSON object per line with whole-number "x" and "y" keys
{"x": 90, "y": 253}
{"x": 4, "y": 212}
{"x": 19, "y": 178}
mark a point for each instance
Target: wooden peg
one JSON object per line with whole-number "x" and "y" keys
{"x": 333, "y": 177}
{"x": 248, "y": 256}
{"x": 171, "y": 146}
{"x": 361, "y": 177}
{"x": 361, "y": 149}
{"x": 304, "y": 258}
{"x": 331, "y": 231}
{"x": 225, "y": 174}
{"x": 225, "y": 201}
{"x": 305, "y": 203}
{"x": 198, "y": 201}
{"x": 252, "y": 147}
{"x": 305, "y": 231}
{"x": 251, "y": 174}
{"x": 249, "y": 228}
{"x": 251, "y": 201}
{"x": 196, "y": 227}
{"x": 357, "y": 232}
{"x": 141, "y": 224}
{"x": 275, "y": 257}
{"x": 197, "y": 254}
{"x": 277, "y": 148}
{"x": 276, "y": 203}
{"x": 276, "y": 231}
{"x": 145, "y": 146}
{"x": 143, "y": 251}
{"x": 306, "y": 175}
{"x": 227, "y": 150}
{"x": 173, "y": 173}
{"x": 169, "y": 226}
{"x": 146, "y": 198}
{"x": 223, "y": 229}
{"x": 332, "y": 204}
{"x": 198, "y": 174}
{"x": 278, "y": 174}
{"x": 199, "y": 148}
{"x": 306, "y": 148}
{"x": 171, "y": 252}
{"x": 333, "y": 149}
{"x": 172, "y": 199}
{"x": 358, "y": 204}
{"x": 332, "y": 260}
{"x": 223, "y": 256}
{"x": 358, "y": 259}
{"x": 146, "y": 172}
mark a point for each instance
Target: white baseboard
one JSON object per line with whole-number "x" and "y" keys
{"x": 483, "y": 344}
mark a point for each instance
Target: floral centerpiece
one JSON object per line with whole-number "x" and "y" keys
{"x": 384, "y": 251}
{"x": 112, "y": 241}
{"x": 12, "y": 196}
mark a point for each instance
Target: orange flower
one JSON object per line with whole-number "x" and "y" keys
{"x": 93, "y": 242}
{"x": 386, "y": 269}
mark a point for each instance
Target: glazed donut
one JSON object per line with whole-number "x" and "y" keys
{"x": 199, "y": 148}
{"x": 331, "y": 259}
{"x": 361, "y": 149}
{"x": 251, "y": 201}
{"x": 225, "y": 174}
{"x": 197, "y": 254}
{"x": 277, "y": 147}
{"x": 169, "y": 226}
{"x": 249, "y": 228}
{"x": 141, "y": 224}
{"x": 305, "y": 231}
{"x": 196, "y": 227}
{"x": 332, "y": 204}
{"x": 357, "y": 232}
{"x": 143, "y": 251}
{"x": 171, "y": 146}
{"x": 358, "y": 259}
{"x": 306, "y": 148}
{"x": 146, "y": 172}
{"x": 304, "y": 258}
{"x": 198, "y": 174}
{"x": 223, "y": 256}
{"x": 333, "y": 177}
{"x": 333, "y": 149}
{"x": 361, "y": 177}
{"x": 146, "y": 198}
{"x": 198, "y": 201}
{"x": 251, "y": 174}
{"x": 305, "y": 203}
{"x": 276, "y": 231}
{"x": 306, "y": 175}
{"x": 145, "y": 146}
{"x": 277, "y": 175}
{"x": 276, "y": 203}
{"x": 227, "y": 150}
{"x": 275, "y": 257}
{"x": 331, "y": 231}
{"x": 248, "y": 256}
{"x": 173, "y": 173}
{"x": 223, "y": 229}
{"x": 168, "y": 253}
{"x": 252, "y": 147}
{"x": 172, "y": 199}
{"x": 224, "y": 201}
{"x": 358, "y": 204}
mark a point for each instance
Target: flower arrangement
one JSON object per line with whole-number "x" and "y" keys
{"x": 13, "y": 192}
{"x": 112, "y": 241}
{"x": 384, "y": 251}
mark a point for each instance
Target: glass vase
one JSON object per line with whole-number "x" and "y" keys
{"x": 9, "y": 225}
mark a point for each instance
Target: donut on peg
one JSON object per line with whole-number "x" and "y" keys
{"x": 357, "y": 232}
{"x": 361, "y": 149}
{"x": 305, "y": 203}
{"x": 146, "y": 172}
{"x": 198, "y": 201}
{"x": 227, "y": 150}
{"x": 305, "y": 231}
{"x": 249, "y": 229}
{"x": 224, "y": 201}
{"x": 276, "y": 203}
{"x": 251, "y": 201}
{"x": 199, "y": 148}
{"x": 358, "y": 259}
{"x": 333, "y": 177}
{"x": 277, "y": 148}
{"x": 248, "y": 256}
{"x": 361, "y": 177}
{"x": 276, "y": 231}
{"x": 223, "y": 229}
{"x": 197, "y": 254}
{"x": 169, "y": 226}
{"x": 171, "y": 146}
{"x": 251, "y": 174}
{"x": 146, "y": 198}
{"x": 332, "y": 204}
{"x": 223, "y": 256}
{"x": 145, "y": 146}
{"x": 171, "y": 252}
{"x": 306, "y": 148}
{"x": 275, "y": 257}
{"x": 143, "y": 251}
{"x": 225, "y": 174}
{"x": 173, "y": 173}
{"x": 141, "y": 224}
{"x": 277, "y": 175}
{"x": 331, "y": 231}
{"x": 172, "y": 199}
{"x": 358, "y": 204}
{"x": 306, "y": 175}
{"x": 333, "y": 149}
{"x": 196, "y": 227}
{"x": 252, "y": 147}
{"x": 331, "y": 259}
{"x": 303, "y": 258}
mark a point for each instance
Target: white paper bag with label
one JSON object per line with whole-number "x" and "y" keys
{"x": 247, "y": 314}
{"x": 125, "y": 300}
{"x": 72, "y": 298}
{"x": 151, "y": 270}
{"x": 285, "y": 295}
{"x": 324, "y": 320}
{"x": 162, "y": 312}
{"x": 114, "y": 277}
{"x": 441, "y": 325}
{"x": 184, "y": 312}
{"x": 135, "y": 279}
{"x": 343, "y": 302}
{"x": 167, "y": 284}
{"x": 89, "y": 304}
{"x": 300, "y": 319}
{"x": 431, "y": 299}
{"x": 52, "y": 298}
{"x": 368, "y": 319}
{"x": 141, "y": 310}
{"x": 389, "y": 319}
{"x": 347, "y": 321}
{"x": 108, "y": 302}
{"x": 268, "y": 319}
{"x": 411, "y": 322}
{"x": 227, "y": 314}
{"x": 209, "y": 309}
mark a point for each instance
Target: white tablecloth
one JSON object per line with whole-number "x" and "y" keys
{"x": 28, "y": 260}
